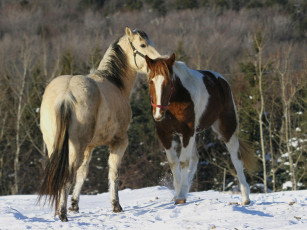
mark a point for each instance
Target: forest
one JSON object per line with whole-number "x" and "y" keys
{"x": 259, "y": 46}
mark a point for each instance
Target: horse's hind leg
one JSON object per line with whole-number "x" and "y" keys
{"x": 80, "y": 178}
{"x": 232, "y": 145}
{"x": 117, "y": 150}
{"x": 233, "y": 148}
{"x": 62, "y": 205}
{"x": 74, "y": 151}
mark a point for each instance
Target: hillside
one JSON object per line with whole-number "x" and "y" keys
{"x": 152, "y": 208}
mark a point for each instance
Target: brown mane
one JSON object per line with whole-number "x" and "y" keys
{"x": 161, "y": 67}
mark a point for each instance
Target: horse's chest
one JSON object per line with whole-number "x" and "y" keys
{"x": 182, "y": 112}
{"x": 179, "y": 119}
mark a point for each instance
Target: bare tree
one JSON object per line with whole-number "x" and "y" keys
{"x": 261, "y": 67}
{"x": 21, "y": 73}
{"x": 290, "y": 84}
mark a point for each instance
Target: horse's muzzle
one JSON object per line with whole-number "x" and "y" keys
{"x": 160, "y": 117}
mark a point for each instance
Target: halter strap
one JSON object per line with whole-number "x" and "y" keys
{"x": 165, "y": 107}
{"x": 135, "y": 52}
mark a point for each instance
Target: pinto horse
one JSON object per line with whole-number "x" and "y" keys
{"x": 186, "y": 101}
{"x": 81, "y": 112}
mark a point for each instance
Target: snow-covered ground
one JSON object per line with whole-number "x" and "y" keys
{"x": 152, "y": 208}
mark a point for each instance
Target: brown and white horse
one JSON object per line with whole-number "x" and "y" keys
{"x": 185, "y": 102}
{"x": 81, "y": 112}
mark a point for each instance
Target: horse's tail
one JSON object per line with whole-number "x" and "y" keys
{"x": 249, "y": 159}
{"x": 57, "y": 172}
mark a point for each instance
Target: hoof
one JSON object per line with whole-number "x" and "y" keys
{"x": 74, "y": 206}
{"x": 180, "y": 201}
{"x": 247, "y": 202}
{"x": 63, "y": 217}
{"x": 74, "y": 209}
{"x": 116, "y": 207}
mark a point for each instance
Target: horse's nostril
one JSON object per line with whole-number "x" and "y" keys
{"x": 159, "y": 117}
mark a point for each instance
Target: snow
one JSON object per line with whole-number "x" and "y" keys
{"x": 296, "y": 142}
{"x": 286, "y": 185}
{"x": 298, "y": 129}
{"x": 153, "y": 208}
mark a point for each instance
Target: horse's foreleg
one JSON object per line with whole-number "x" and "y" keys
{"x": 116, "y": 155}
{"x": 233, "y": 148}
{"x": 80, "y": 178}
{"x": 173, "y": 161}
{"x": 186, "y": 175}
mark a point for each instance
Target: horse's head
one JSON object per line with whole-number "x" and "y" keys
{"x": 161, "y": 84}
{"x": 140, "y": 46}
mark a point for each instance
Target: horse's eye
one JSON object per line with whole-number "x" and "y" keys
{"x": 143, "y": 45}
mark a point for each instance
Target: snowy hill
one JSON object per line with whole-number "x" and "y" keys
{"x": 152, "y": 208}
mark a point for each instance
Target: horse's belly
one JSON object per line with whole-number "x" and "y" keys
{"x": 112, "y": 124}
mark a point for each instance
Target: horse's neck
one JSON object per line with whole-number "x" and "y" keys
{"x": 128, "y": 76}
{"x": 129, "y": 80}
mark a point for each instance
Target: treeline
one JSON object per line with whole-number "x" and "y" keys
{"x": 259, "y": 46}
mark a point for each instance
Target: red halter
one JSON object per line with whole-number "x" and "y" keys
{"x": 165, "y": 107}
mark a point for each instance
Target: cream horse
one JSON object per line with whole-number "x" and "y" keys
{"x": 81, "y": 112}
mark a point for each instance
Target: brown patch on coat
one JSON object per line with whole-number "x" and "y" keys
{"x": 220, "y": 106}
{"x": 214, "y": 106}
{"x": 184, "y": 164}
{"x": 172, "y": 165}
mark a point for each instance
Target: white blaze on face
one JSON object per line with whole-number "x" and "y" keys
{"x": 158, "y": 81}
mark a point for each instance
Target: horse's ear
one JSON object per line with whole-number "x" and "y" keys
{"x": 129, "y": 33}
{"x": 148, "y": 61}
{"x": 171, "y": 60}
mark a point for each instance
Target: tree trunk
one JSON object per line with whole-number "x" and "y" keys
{"x": 288, "y": 144}
{"x": 261, "y": 135}
{"x": 287, "y": 128}
{"x": 20, "y": 108}
{"x": 260, "y": 71}
{"x": 273, "y": 170}
{"x": 18, "y": 142}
